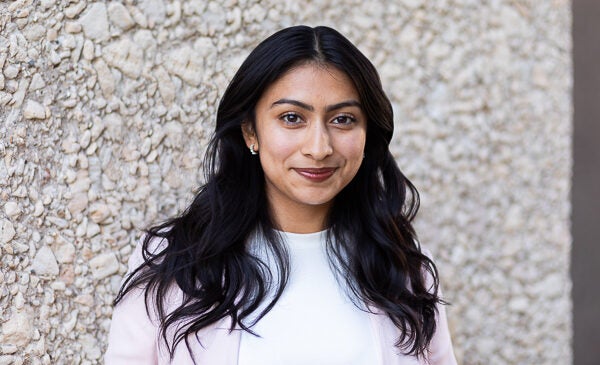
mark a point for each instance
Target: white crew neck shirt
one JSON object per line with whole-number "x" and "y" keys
{"x": 314, "y": 322}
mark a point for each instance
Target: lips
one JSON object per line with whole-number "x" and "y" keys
{"x": 316, "y": 174}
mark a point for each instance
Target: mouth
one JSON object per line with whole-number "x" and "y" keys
{"x": 316, "y": 174}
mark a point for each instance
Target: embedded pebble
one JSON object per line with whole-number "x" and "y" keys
{"x": 94, "y": 22}
{"x": 99, "y": 212}
{"x": 8, "y": 349}
{"x": 7, "y": 231}
{"x": 73, "y": 10}
{"x": 187, "y": 64}
{"x": 51, "y": 35}
{"x": 35, "y": 32}
{"x": 73, "y": 27}
{"x": 37, "y": 82}
{"x": 92, "y": 229}
{"x": 12, "y": 209}
{"x": 18, "y": 330}
{"x": 38, "y": 209}
{"x": 154, "y": 10}
{"x": 11, "y": 71}
{"x": 78, "y": 203}
{"x": 165, "y": 85}
{"x": 65, "y": 252}
{"x": 104, "y": 265}
{"x": 34, "y": 110}
{"x": 119, "y": 15}
{"x": 125, "y": 55}
{"x": 90, "y": 347}
{"x": 44, "y": 262}
{"x": 105, "y": 78}
{"x": 88, "y": 50}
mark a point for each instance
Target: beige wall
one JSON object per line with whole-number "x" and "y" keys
{"x": 106, "y": 109}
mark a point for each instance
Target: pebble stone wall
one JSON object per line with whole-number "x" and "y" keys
{"x": 106, "y": 109}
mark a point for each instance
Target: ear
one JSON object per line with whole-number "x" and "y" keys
{"x": 249, "y": 134}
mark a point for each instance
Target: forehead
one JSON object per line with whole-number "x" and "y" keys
{"x": 313, "y": 82}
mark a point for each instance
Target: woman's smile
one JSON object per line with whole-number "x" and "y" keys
{"x": 316, "y": 174}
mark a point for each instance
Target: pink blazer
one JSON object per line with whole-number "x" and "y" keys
{"x": 134, "y": 337}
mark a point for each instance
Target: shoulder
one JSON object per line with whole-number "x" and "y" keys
{"x": 146, "y": 248}
{"x": 441, "y": 351}
{"x": 133, "y": 335}
{"x": 429, "y": 268}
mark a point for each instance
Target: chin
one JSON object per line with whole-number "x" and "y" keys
{"x": 316, "y": 202}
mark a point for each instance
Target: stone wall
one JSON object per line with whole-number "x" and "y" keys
{"x": 106, "y": 108}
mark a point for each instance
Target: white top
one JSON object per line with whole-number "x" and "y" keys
{"x": 313, "y": 298}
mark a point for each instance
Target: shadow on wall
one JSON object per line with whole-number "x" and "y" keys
{"x": 586, "y": 182}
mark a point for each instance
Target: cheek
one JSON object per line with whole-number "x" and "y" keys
{"x": 276, "y": 147}
{"x": 353, "y": 148}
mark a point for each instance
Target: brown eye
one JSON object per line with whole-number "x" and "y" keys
{"x": 344, "y": 120}
{"x": 291, "y": 118}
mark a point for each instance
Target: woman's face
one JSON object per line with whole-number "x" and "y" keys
{"x": 310, "y": 133}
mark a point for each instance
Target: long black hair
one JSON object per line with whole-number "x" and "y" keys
{"x": 370, "y": 237}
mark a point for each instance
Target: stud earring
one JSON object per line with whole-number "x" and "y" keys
{"x": 252, "y": 151}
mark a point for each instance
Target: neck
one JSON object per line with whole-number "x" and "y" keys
{"x": 301, "y": 219}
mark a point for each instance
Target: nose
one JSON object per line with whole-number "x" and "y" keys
{"x": 317, "y": 142}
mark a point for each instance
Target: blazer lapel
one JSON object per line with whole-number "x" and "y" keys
{"x": 219, "y": 345}
{"x": 386, "y": 334}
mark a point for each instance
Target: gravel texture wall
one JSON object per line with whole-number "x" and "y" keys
{"x": 106, "y": 108}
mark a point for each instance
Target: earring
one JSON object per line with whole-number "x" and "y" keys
{"x": 252, "y": 151}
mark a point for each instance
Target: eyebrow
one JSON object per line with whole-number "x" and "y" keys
{"x": 308, "y": 107}
{"x": 343, "y": 104}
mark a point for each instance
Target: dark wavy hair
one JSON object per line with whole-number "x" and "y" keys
{"x": 370, "y": 239}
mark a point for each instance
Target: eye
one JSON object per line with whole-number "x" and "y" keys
{"x": 344, "y": 119}
{"x": 291, "y": 118}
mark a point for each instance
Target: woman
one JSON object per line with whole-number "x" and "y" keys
{"x": 299, "y": 248}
